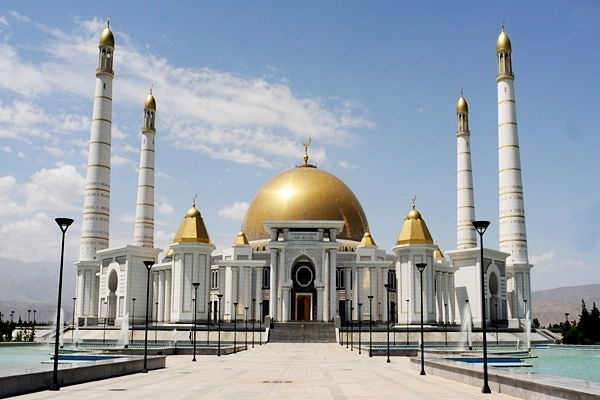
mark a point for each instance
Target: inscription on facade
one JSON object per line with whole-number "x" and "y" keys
{"x": 304, "y": 235}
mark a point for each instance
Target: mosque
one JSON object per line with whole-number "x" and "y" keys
{"x": 304, "y": 252}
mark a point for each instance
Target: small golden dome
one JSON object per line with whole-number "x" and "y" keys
{"x": 305, "y": 193}
{"x": 367, "y": 240}
{"x": 169, "y": 253}
{"x": 438, "y": 253}
{"x": 461, "y": 106}
{"x": 150, "y": 103}
{"x": 192, "y": 228}
{"x": 107, "y": 38}
{"x": 503, "y": 42}
{"x": 414, "y": 230}
{"x": 240, "y": 239}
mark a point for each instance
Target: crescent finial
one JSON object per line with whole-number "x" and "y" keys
{"x": 413, "y": 201}
{"x": 194, "y": 200}
{"x": 306, "y": 150}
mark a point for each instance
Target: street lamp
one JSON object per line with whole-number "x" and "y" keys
{"x": 73, "y": 329}
{"x": 253, "y": 312}
{"x": 234, "y": 327}
{"x": 220, "y": 296}
{"x": 104, "y": 329}
{"x": 421, "y": 268}
{"x": 480, "y": 227}
{"x": 446, "y": 321}
{"x": 63, "y": 223}
{"x": 148, "y": 265}
{"x": 260, "y": 324}
{"x": 470, "y": 325}
{"x": 195, "y": 285}
{"x": 351, "y": 327}
{"x": 388, "y": 287}
{"x": 407, "y": 314}
{"x": 359, "y": 324}
{"x": 12, "y": 313}
{"x": 347, "y": 323}
{"x": 132, "y": 318}
{"x": 246, "y": 336}
{"x": 156, "y": 323}
{"x": 209, "y": 322}
{"x": 370, "y": 326}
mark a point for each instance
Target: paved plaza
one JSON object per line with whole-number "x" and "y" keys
{"x": 277, "y": 371}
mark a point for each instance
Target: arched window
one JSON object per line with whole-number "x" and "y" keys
{"x": 266, "y": 278}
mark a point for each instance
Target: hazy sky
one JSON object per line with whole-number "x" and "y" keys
{"x": 239, "y": 85}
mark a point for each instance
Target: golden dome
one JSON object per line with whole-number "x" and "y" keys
{"x": 461, "y": 106}
{"x": 437, "y": 253}
{"x": 192, "y": 228}
{"x": 107, "y": 38}
{"x": 150, "y": 103}
{"x": 367, "y": 240}
{"x": 414, "y": 230}
{"x": 240, "y": 239}
{"x": 503, "y": 42}
{"x": 305, "y": 193}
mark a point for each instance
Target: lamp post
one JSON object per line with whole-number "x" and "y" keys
{"x": 470, "y": 325}
{"x": 156, "y": 323}
{"x": 63, "y": 223}
{"x": 567, "y": 316}
{"x": 195, "y": 285}
{"x": 388, "y": 287}
{"x": 359, "y": 326}
{"x": 407, "y": 315}
{"x": 480, "y": 227}
{"x": 421, "y": 268}
{"x": 260, "y": 324}
{"x": 446, "y": 321}
{"x": 12, "y": 313}
{"x": 220, "y": 296}
{"x": 209, "y": 322}
{"x": 33, "y": 329}
{"x": 132, "y": 318}
{"x": 393, "y": 310}
{"x": 253, "y": 312}
{"x": 347, "y": 323}
{"x": 234, "y": 326}
{"x": 148, "y": 265}
{"x": 73, "y": 328}
{"x": 246, "y": 318}
{"x": 351, "y": 327}
{"x": 370, "y": 326}
{"x": 104, "y": 328}
{"x": 496, "y": 304}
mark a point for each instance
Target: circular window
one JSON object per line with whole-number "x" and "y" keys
{"x": 304, "y": 276}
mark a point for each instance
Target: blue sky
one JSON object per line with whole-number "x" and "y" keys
{"x": 239, "y": 85}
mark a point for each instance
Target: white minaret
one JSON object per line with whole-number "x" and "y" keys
{"x": 144, "y": 212}
{"x": 513, "y": 236}
{"x": 96, "y": 205}
{"x": 465, "y": 203}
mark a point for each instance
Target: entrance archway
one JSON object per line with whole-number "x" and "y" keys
{"x": 303, "y": 293}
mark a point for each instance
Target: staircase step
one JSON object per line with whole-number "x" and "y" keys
{"x": 302, "y": 332}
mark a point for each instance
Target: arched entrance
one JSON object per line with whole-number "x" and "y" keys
{"x": 304, "y": 293}
{"x": 494, "y": 303}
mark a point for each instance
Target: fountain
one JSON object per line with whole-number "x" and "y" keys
{"x": 466, "y": 327}
{"x": 175, "y": 337}
{"x": 76, "y": 336}
{"x": 528, "y": 331}
{"x": 124, "y": 333}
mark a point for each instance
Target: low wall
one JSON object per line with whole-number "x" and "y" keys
{"x": 524, "y": 386}
{"x": 71, "y": 374}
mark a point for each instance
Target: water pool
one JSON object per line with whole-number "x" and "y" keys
{"x": 576, "y": 363}
{"x": 24, "y": 357}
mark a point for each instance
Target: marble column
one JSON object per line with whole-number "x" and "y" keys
{"x": 258, "y": 291}
{"x": 333, "y": 294}
{"x": 168, "y": 296}
{"x": 273, "y": 285}
{"x": 161, "y": 296}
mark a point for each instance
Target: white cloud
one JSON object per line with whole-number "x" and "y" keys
{"x": 346, "y": 164}
{"x": 126, "y": 218}
{"x": 236, "y": 211}
{"x": 6, "y": 149}
{"x": 120, "y": 160}
{"x": 166, "y": 209}
{"x": 20, "y": 154}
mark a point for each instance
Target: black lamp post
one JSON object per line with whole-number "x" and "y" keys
{"x": 421, "y": 268}
{"x": 253, "y": 312}
{"x": 470, "y": 324}
{"x": 104, "y": 328}
{"x": 388, "y": 287}
{"x": 370, "y": 326}
{"x": 195, "y": 285}
{"x": 156, "y": 323}
{"x": 496, "y": 304}
{"x": 63, "y": 223}
{"x": 33, "y": 329}
{"x": 148, "y": 265}
{"x": 480, "y": 227}
{"x": 246, "y": 318}
{"x": 132, "y": 318}
{"x": 347, "y": 322}
{"x": 220, "y": 296}
{"x": 260, "y": 324}
{"x": 359, "y": 326}
{"x": 407, "y": 315}
{"x": 12, "y": 313}
{"x": 209, "y": 322}
{"x": 446, "y": 321}
{"x": 351, "y": 327}
{"x": 234, "y": 326}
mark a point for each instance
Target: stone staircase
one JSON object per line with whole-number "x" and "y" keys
{"x": 302, "y": 332}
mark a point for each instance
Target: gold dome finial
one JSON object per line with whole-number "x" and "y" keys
{"x": 107, "y": 38}
{"x": 306, "y": 145}
{"x": 194, "y": 200}
{"x": 503, "y": 42}
{"x": 461, "y": 106}
{"x": 150, "y": 103}
{"x": 413, "y": 201}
